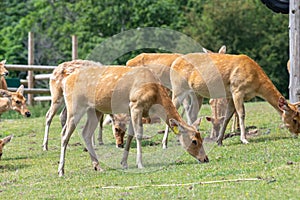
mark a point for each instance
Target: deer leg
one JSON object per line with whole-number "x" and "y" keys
{"x": 137, "y": 124}
{"x": 195, "y": 106}
{"x": 49, "y": 116}
{"x": 240, "y": 109}
{"x": 127, "y": 146}
{"x": 229, "y": 112}
{"x": 68, "y": 129}
{"x": 165, "y": 138}
{"x": 88, "y": 133}
{"x": 100, "y": 139}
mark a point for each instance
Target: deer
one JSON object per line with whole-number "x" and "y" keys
{"x": 236, "y": 77}
{"x": 160, "y": 64}
{"x": 218, "y": 108}
{"x": 118, "y": 89}
{"x": 57, "y": 89}
{"x": 3, "y": 142}
{"x": 14, "y": 101}
{"x": 3, "y": 73}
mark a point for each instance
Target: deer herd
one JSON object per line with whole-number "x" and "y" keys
{"x": 151, "y": 85}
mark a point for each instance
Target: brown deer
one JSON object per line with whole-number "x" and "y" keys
{"x": 3, "y": 72}
{"x": 3, "y": 142}
{"x": 14, "y": 101}
{"x": 56, "y": 89}
{"x": 117, "y": 89}
{"x": 236, "y": 77}
{"x": 218, "y": 108}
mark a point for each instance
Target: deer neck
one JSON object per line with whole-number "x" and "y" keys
{"x": 270, "y": 93}
{"x": 170, "y": 109}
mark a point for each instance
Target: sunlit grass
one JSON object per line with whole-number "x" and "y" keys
{"x": 27, "y": 172}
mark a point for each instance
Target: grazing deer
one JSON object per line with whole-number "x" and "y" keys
{"x": 117, "y": 89}
{"x": 3, "y": 142}
{"x": 160, "y": 64}
{"x": 3, "y": 72}
{"x": 236, "y": 77}
{"x": 218, "y": 108}
{"x": 56, "y": 89}
{"x": 119, "y": 124}
{"x": 14, "y": 101}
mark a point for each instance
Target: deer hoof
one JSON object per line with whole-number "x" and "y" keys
{"x": 244, "y": 141}
{"x": 124, "y": 165}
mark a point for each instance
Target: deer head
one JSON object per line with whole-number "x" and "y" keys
{"x": 290, "y": 115}
{"x": 119, "y": 128}
{"x": 3, "y": 142}
{"x": 3, "y": 70}
{"x": 18, "y": 102}
{"x": 190, "y": 139}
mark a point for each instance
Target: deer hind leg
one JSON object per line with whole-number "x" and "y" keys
{"x": 137, "y": 124}
{"x": 127, "y": 146}
{"x": 49, "y": 116}
{"x": 88, "y": 133}
{"x": 229, "y": 112}
{"x": 68, "y": 129}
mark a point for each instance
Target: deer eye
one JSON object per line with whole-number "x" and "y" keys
{"x": 18, "y": 102}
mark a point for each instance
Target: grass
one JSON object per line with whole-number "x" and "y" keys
{"x": 26, "y": 172}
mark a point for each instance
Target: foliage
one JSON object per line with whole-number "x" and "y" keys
{"x": 26, "y": 172}
{"x": 246, "y": 27}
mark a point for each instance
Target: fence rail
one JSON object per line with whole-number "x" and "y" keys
{"x": 31, "y": 68}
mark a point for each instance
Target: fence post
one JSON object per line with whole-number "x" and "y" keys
{"x": 294, "y": 17}
{"x": 74, "y": 47}
{"x": 30, "y": 62}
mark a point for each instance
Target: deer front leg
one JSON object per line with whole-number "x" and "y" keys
{"x": 127, "y": 146}
{"x": 66, "y": 133}
{"x": 240, "y": 109}
{"x": 229, "y": 112}
{"x": 195, "y": 106}
{"x": 65, "y": 137}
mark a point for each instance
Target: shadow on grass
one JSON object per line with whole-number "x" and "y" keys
{"x": 260, "y": 139}
{"x": 10, "y": 167}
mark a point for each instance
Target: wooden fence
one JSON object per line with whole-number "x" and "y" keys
{"x": 34, "y": 94}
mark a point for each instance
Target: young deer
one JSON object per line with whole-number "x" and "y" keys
{"x": 3, "y": 72}
{"x": 3, "y": 142}
{"x": 117, "y": 89}
{"x": 56, "y": 88}
{"x": 236, "y": 77}
{"x": 14, "y": 101}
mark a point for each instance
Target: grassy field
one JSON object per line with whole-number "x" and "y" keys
{"x": 266, "y": 168}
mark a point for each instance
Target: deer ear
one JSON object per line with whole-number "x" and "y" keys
{"x": 282, "y": 104}
{"x": 3, "y": 62}
{"x": 21, "y": 89}
{"x": 222, "y": 50}
{"x": 5, "y": 93}
{"x": 7, "y": 139}
{"x": 197, "y": 123}
{"x": 206, "y": 50}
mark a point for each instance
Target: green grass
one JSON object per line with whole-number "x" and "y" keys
{"x": 26, "y": 172}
